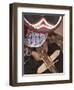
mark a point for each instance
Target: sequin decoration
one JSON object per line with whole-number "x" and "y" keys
{"x": 34, "y": 39}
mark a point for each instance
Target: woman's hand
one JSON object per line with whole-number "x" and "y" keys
{"x": 36, "y": 55}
